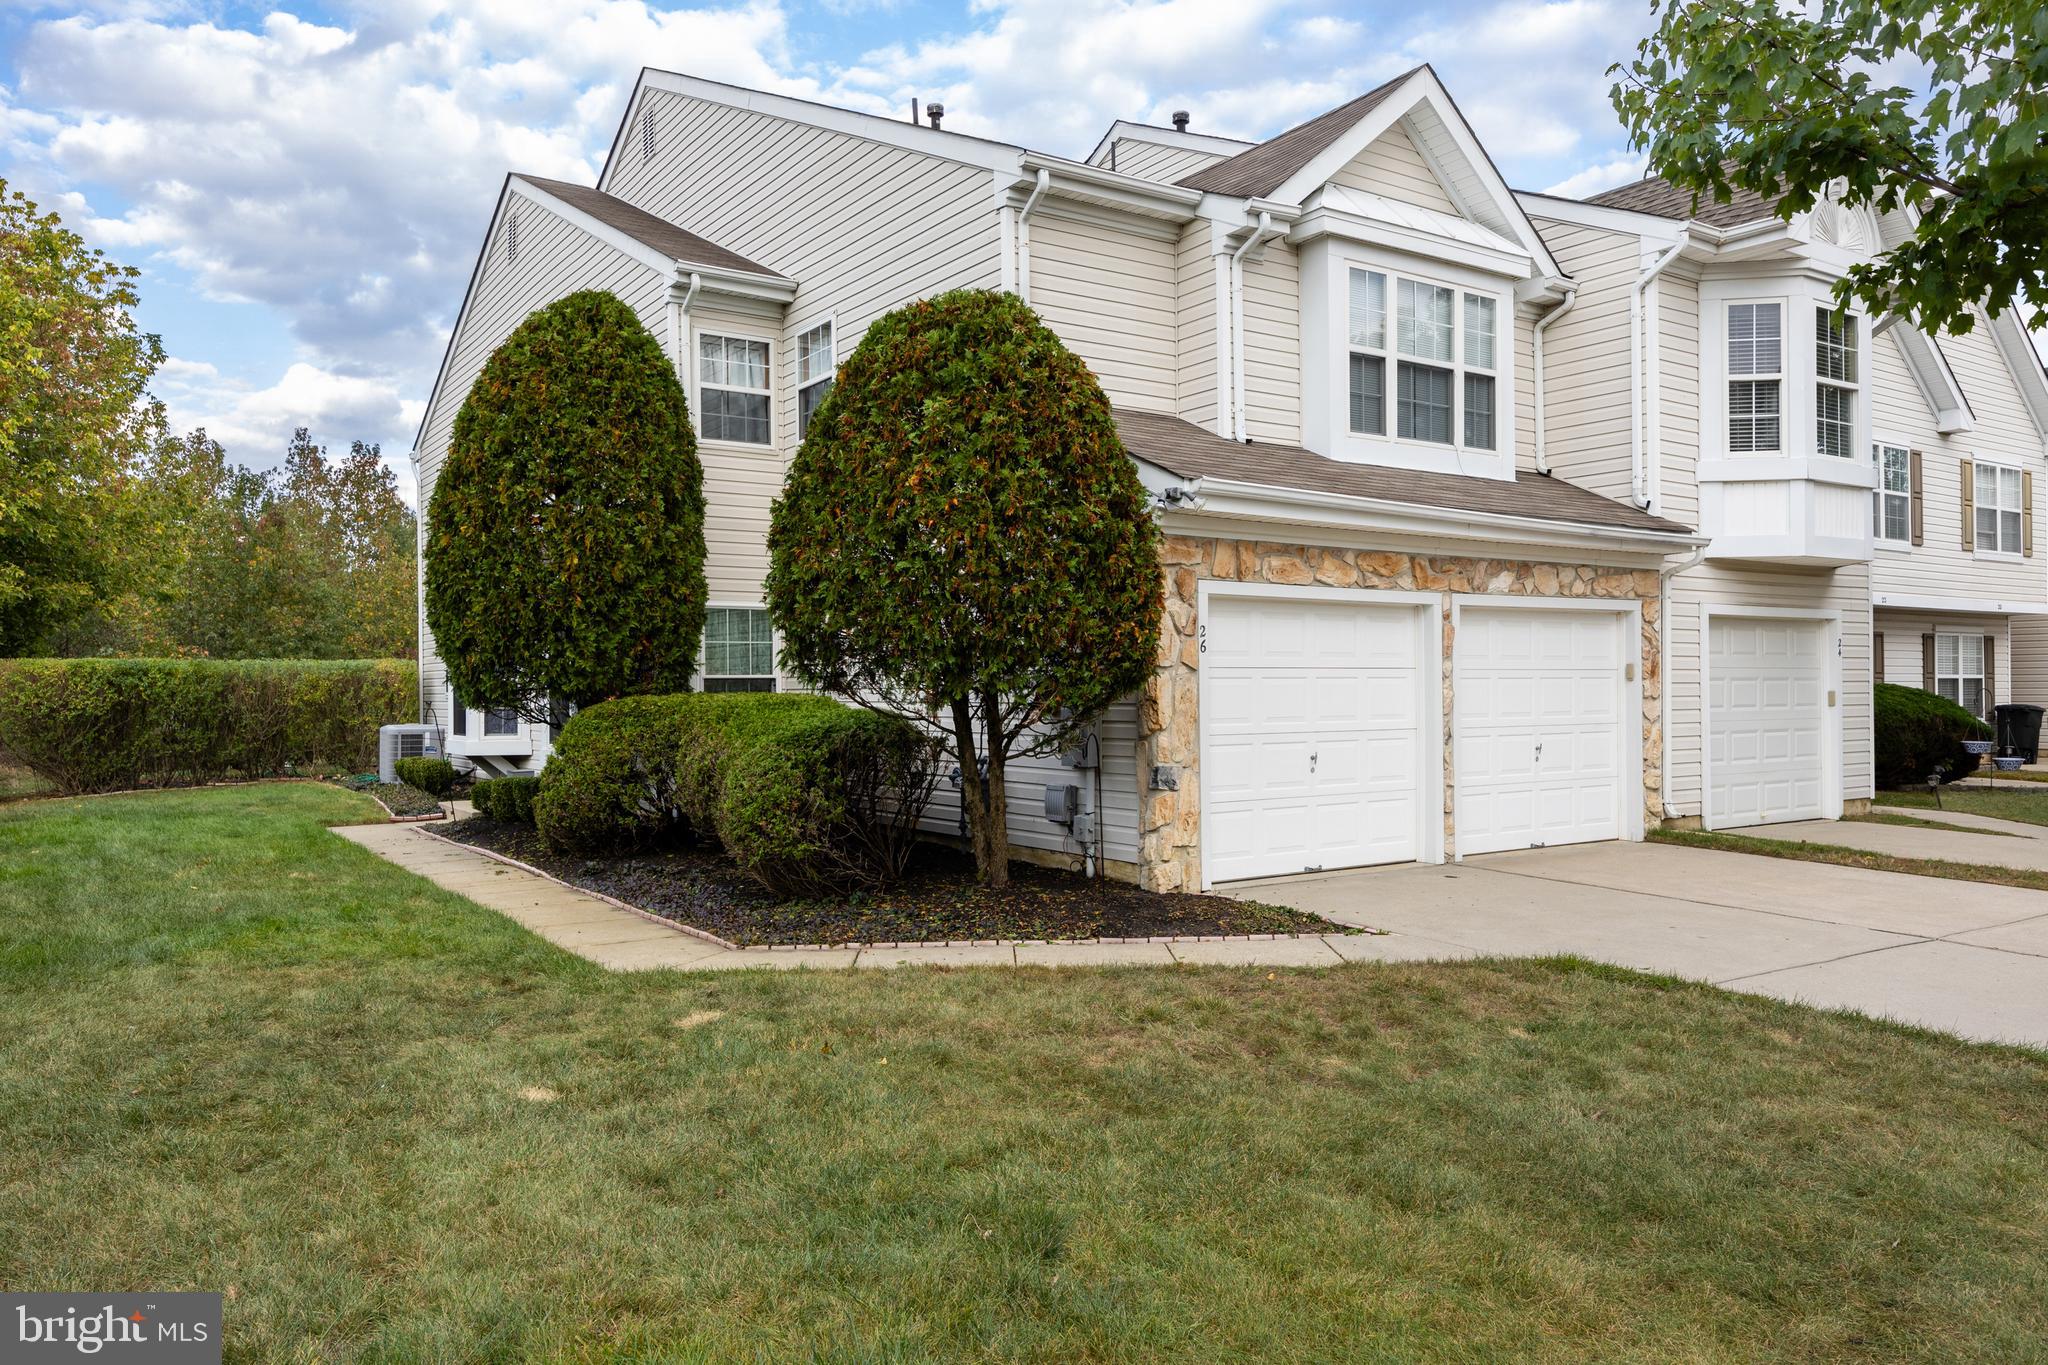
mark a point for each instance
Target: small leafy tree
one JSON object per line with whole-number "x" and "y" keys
{"x": 963, "y": 536}
{"x": 1793, "y": 99}
{"x": 565, "y": 537}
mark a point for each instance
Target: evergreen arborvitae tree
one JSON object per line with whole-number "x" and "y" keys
{"x": 565, "y": 544}
{"x": 963, "y": 535}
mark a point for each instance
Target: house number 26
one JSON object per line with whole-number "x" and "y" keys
{"x": 1202, "y": 639}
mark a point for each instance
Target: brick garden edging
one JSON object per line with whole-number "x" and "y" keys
{"x": 710, "y": 937}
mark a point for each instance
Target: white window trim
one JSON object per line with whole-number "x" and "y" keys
{"x": 1959, "y": 676}
{"x": 1780, "y": 377}
{"x": 1326, "y": 336}
{"x": 1853, "y": 325}
{"x": 1977, "y": 465}
{"x": 1797, "y": 380}
{"x": 1879, "y": 494}
{"x": 775, "y": 645}
{"x": 696, "y": 367}
{"x": 796, "y": 361}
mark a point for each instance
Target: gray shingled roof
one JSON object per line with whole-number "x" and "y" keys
{"x": 1266, "y": 167}
{"x": 1182, "y": 448}
{"x": 1663, "y": 199}
{"x": 643, "y": 227}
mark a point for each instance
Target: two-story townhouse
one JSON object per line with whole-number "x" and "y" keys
{"x": 1867, "y": 490}
{"x": 1394, "y": 632}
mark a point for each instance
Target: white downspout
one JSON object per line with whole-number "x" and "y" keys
{"x": 1258, "y": 235}
{"x": 678, "y": 324}
{"x": 1571, "y": 296}
{"x": 1664, "y": 577}
{"x": 1638, "y": 471}
{"x": 1024, "y": 233}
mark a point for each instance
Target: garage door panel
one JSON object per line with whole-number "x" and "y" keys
{"x": 1538, "y": 727}
{"x": 1312, "y": 735}
{"x": 1766, "y": 721}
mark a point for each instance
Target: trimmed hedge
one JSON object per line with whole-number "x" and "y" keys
{"x": 434, "y": 776}
{"x": 91, "y": 725}
{"x": 505, "y": 798}
{"x": 807, "y": 795}
{"x": 1920, "y": 733}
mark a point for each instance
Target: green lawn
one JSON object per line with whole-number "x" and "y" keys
{"x": 1809, "y": 851}
{"x": 238, "y": 1053}
{"x": 2017, "y": 804}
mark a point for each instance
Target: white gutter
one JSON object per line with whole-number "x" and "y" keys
{"x": 1261, "y": 231}
{"x": 1024, "y": 233}
{"x": 1638, "y": 465}
{"x": 1571, "y": 296}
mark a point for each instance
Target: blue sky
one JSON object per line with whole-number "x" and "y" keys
{"x": 305, "y": 188}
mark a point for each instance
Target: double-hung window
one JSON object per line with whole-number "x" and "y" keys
{"x": 1445, "y": 361}
{"x": 733, "y": 398}
{"x": 814, "y": 373}
{"x": 739, "y": 650}
{"x": 1999, "y": 508}
{"x": 1959, "y": 670}
{"x": 1756, "y": 376}
{"x": 1892, "y": 508}
{"x": 500, "y": 720}
{"x": 1835, "y": 383}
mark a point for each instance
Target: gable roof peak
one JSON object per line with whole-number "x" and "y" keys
{"x": 1266, "y": 166}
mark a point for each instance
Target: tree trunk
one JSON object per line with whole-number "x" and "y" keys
{"x": 982, "y": 800}
{"x": 995, "y": 798}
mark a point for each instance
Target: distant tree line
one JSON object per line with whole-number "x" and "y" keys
{"x": 120, "y": 537}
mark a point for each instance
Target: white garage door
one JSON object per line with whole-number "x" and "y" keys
{"x": 1312, "y": 736}
{"x": 1538, "y": 729}
{"x": 1766, "y": 721}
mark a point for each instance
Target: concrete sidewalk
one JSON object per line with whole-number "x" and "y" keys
{"x": 1964, "y": 957}
{"x": 2001, "y": 843}
{"x": 625, "y": 940}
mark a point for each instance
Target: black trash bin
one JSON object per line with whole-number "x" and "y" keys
{"x": 2019, "y": 730}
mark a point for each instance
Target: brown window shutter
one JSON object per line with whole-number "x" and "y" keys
{"x": 1919, "y": 521}
{"x": 1927, "y": 663}
{"x": 2027, "y": 515}
{"x": 1877, "y": 656}
{"x": 1969, "y": 468}
{"x": 1990, "y": 674}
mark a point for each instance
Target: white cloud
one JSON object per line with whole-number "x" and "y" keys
{"x": 256, "y": 423}
{"x": 1604, "y": 176}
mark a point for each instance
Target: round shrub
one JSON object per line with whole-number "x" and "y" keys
{"x": 434, "y": 776}
{"x": 611, "y": 782}
{"x": 963, "y": 530}
{"x": 509, "y": 799}
{"x": 1921, "y": 733}
{"x": 565, "y": 531}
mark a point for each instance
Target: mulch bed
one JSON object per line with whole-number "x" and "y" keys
{"x": 402, "y": 799}
{"x": 938, "y": 899}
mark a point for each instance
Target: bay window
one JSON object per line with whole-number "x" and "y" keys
{"x": 1835, "y": 383}
{"x": 1756, "y": 376}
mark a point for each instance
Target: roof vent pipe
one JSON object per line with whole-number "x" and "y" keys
{"x": 1180, "y": 120}
{"x": 913, "y": 109}
{"x": 935, "y": 111}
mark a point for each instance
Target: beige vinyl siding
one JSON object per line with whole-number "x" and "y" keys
{"x": 2003, "y": 433}
{"x": 863, "y": 227}
{"x": 1154, "y": 161}
{"x": 1392, "y": 167}
{"x": 1525, "y": 387}
{"x": 1902, "y": 659}
{"x": 1110, "y": 294}
{"x": 1585, "y": 356}
{"x": 556, "y": 258}
{"x": 1195, "y": 318}
{"x": 1272, "y": 345}
{"x": 1029, "y": 777}
{"x": 1675, "y": 301}
{"x": 741, "y": 482}
{"x": 2029, "y": 671}
{"x": 1845, "y": 592}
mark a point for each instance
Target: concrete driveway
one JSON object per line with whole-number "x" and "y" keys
{"x": 1960, "y": 956}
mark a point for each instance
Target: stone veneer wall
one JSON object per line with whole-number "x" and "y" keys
{"x": 1170, "y": 822}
